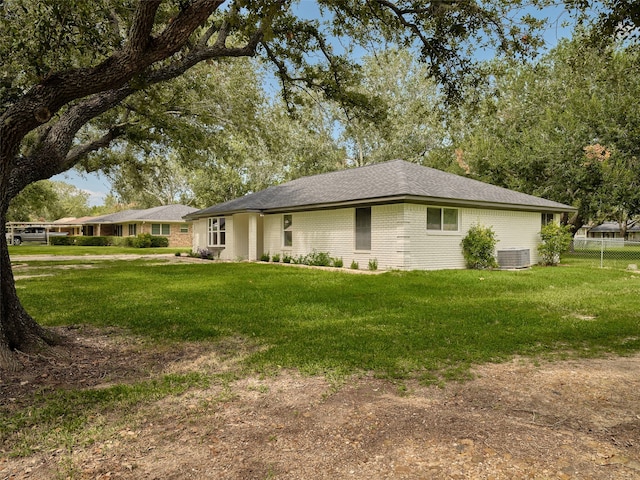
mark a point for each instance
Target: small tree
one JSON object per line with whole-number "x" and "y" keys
{"x": 478, "y": 248}
{"x": 556, "y": 240}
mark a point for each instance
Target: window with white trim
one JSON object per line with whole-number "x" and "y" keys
{"x": 216, "y": 232}
{"x": 287, "y": 230}
{"x": 160, "y": 229}
{"x": 547, "y": 218}
{"x": 184, "y": 228}
{"x": 117, "y": 230}
{"x": 133, "y": 229}
{"x": 363, "y": 228}
{"x": 442, "y": 219}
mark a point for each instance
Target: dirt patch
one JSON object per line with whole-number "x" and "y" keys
{"x": 573, "y": 419}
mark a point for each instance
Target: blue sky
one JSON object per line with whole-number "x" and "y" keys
{"x": 98, "y": 186}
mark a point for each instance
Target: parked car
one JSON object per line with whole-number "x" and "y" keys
{"x": 33, "y": 234}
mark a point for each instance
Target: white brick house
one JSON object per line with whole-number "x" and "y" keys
{"x": 403, "y": 215}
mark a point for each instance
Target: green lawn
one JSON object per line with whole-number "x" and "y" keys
{"x": 426, "y": 325}
{"x": 39, "y": 249}
{"x": 431, "y": 326}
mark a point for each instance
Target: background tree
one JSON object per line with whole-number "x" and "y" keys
{"x": 215, "y": 136}
{"x": 537, "y": 130}
{"x": 31, "y": 203}
{"x": 48, "y": 200}
{"x": 409, "y": 123}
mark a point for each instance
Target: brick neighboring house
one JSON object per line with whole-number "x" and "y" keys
{"x": 404, "y": 215}
{"x": 165, "y": 221}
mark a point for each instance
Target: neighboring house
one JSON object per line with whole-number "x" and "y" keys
{"x": 166, "y": 221}
{"x": 72, "y": 225}
{"x": 612, "y": 230}
{"x": 402, "y": 214}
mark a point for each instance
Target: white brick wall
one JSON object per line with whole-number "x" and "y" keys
{"x": 199, "y": 234}
{"x": 513, "y": 229}
{"x": 333, "y": 231}
{"x": 399, "y": 236}
{"x": 438, "y": 250}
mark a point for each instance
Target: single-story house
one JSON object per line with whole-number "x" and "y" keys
{"x": 404, "y": 215}
{"x": 612, "y": 230}
{"x": 167, "y": 221}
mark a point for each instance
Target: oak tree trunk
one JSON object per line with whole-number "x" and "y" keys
{"x": 18, "y": 330}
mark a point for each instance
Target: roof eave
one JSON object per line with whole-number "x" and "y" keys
{"x": 221, "y": 213}
{"x": 390, "y": 200}
{"x": 424, "y": 201}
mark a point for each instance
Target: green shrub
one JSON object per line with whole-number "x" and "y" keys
{"x": 337, "y": 262}
{"x": 159, "y": 242}
{"x": 61, "y": 240}
{"x": 318, "y": 259}
{"x": 275, "y": 258}
{"x": 286, "y": 258}
{"x": 92, "y": 241}
{"x": 478, "y": 248}
{"x": 373, "y": 264}
{"x": 556, "y": 240}
{"x": 299, "y": 260}
{"x": 354, "y": 265}
{"x": 264, "y": 257}
{"x": 143, "y": 240}
{"x": 121, "y": 241}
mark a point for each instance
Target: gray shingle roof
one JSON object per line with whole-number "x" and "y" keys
{"x": 614, "y": 227}
{"x": 392, "y": 181}
{"x": 164, "y": 213}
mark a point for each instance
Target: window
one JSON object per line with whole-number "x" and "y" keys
{"x": 547, "y": 218}
{"x": 184, "y": 228}
{"x": 117, "y": 230}
{"x": 442, "y": 219}
{"x": 363, "y": 228}
{"x": 217, "y": 234}
{"x": 287, "y": 228}
{"x": 160, "y": 229}
{"x": 132, "y": 229}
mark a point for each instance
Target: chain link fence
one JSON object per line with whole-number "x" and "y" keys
{"x": 606, "y": 252}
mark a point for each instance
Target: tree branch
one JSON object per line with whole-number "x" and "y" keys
{"x": 50, "y": 156}
{"x": 78, "y": 153}
{"x": 140, "y": 31}
{"x": 40, "y": 103}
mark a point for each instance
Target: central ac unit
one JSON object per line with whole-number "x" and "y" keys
{"x": 514, "y": 258}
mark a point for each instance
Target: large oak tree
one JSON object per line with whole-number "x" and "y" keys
{"x": 67, "y": 66}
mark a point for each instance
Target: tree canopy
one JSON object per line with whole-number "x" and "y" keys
{"x": 48, "y": 200}
{"x": 566, "y": 128}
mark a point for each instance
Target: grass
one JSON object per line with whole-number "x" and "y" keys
{"x": 59, "y": 419}
{"x": 398, "y": 325}
{"x": 432, "y": 326}
{"x": 39, "y": 249}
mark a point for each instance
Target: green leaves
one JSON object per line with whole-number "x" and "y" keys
{"x": 478, "y": 247}
{"x": 556, "y": 240}
{"x": 48, "y": 200}
{"x": 531, "y": 134}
